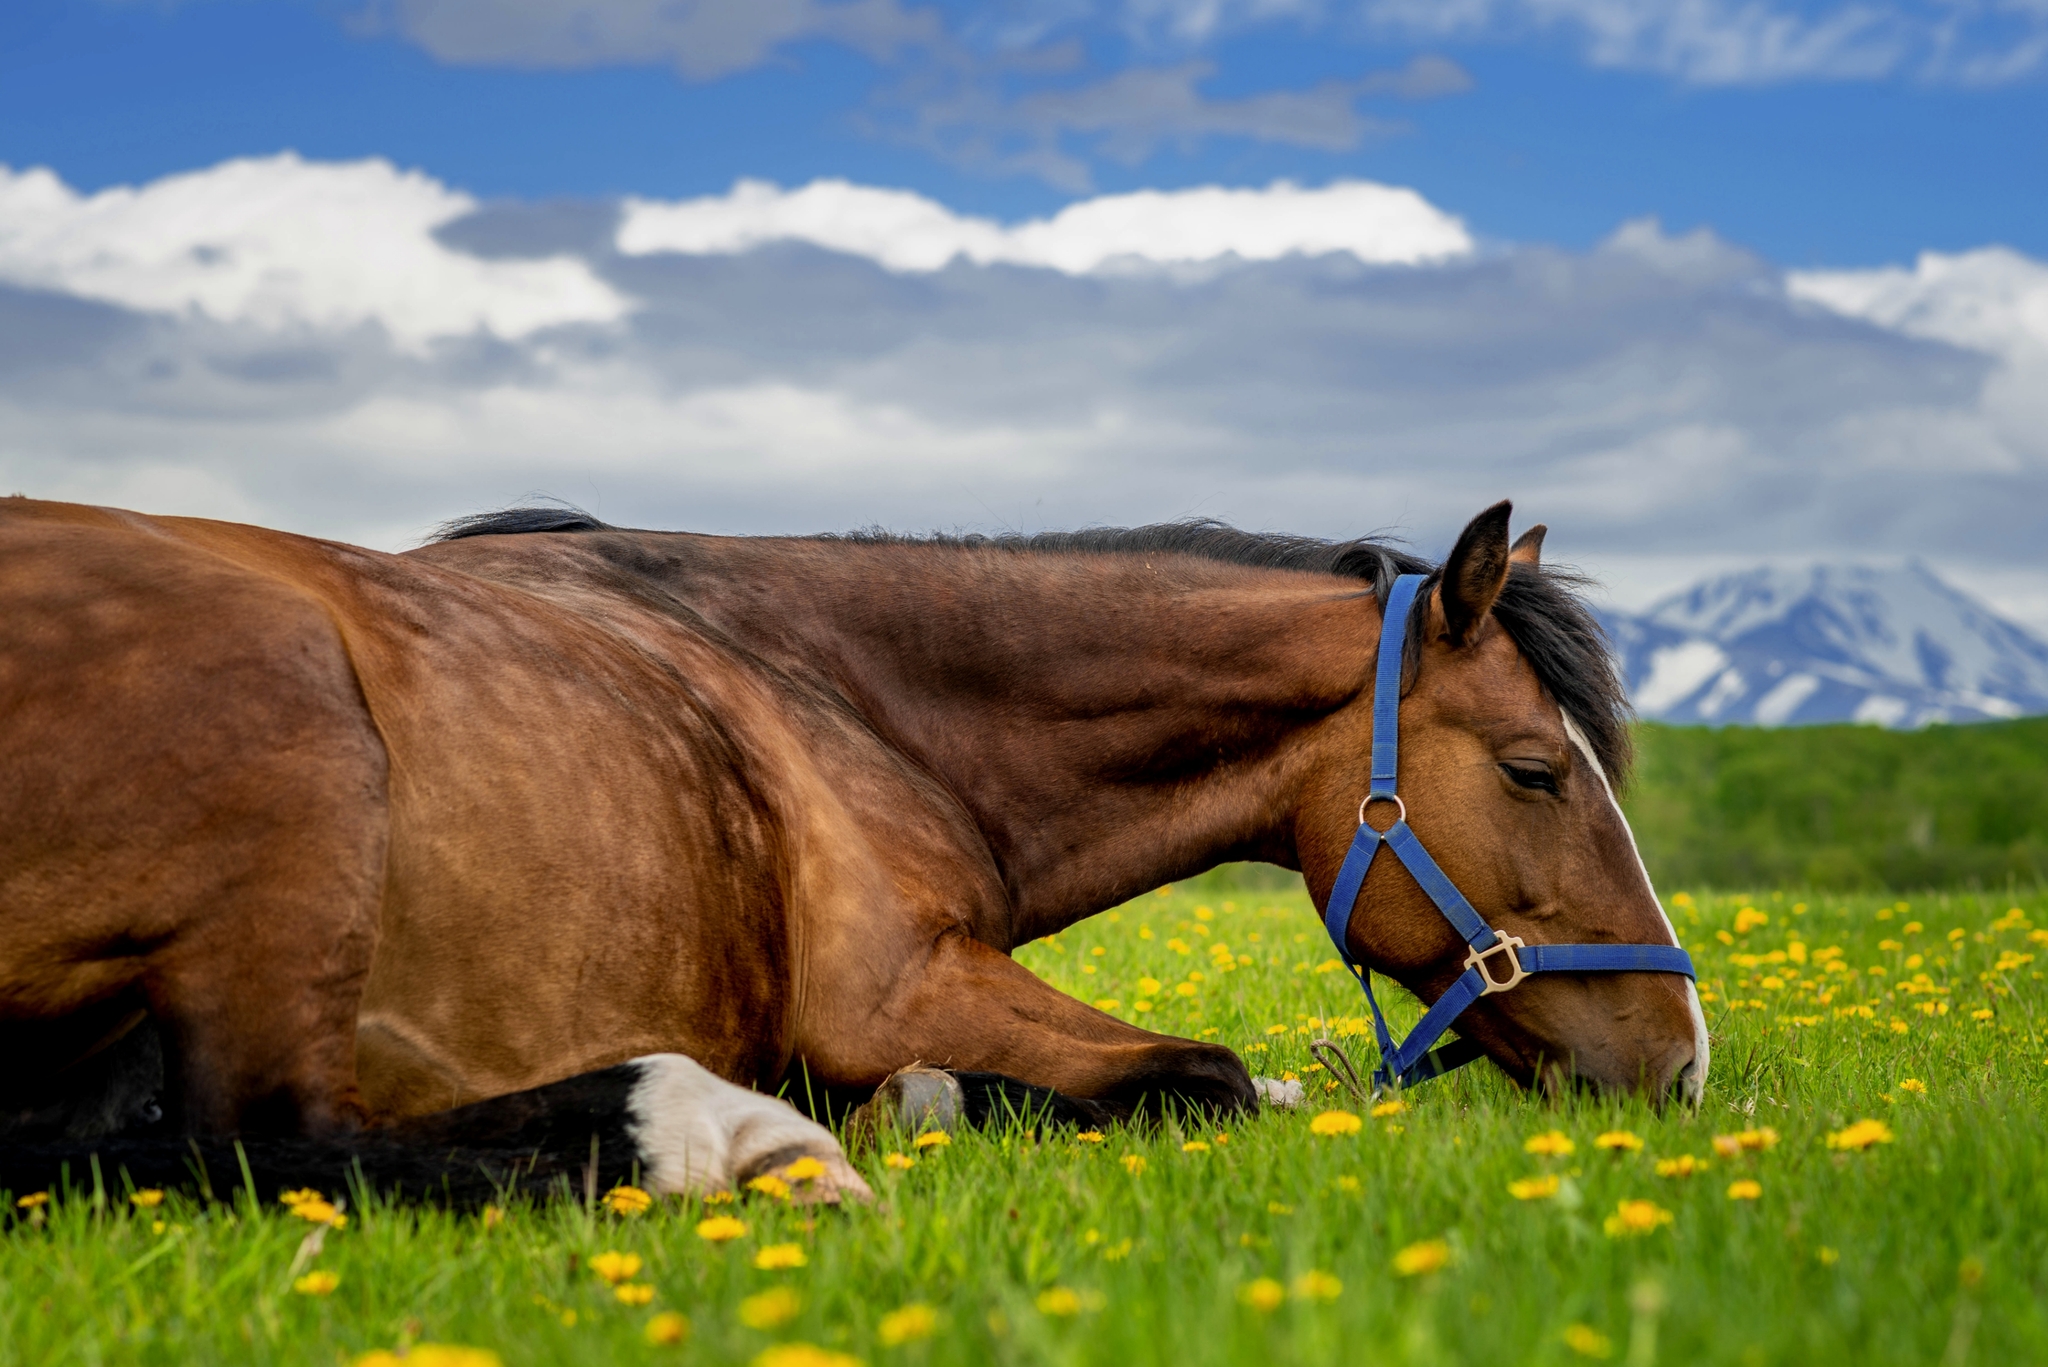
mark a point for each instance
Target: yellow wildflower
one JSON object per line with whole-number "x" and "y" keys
{"x": 298, "y": 1197}
{"x": 1264, "y": 1295}
{"x": 1426, "y": 1256}
{"x": 616, "y": 1267}
{"x": 1982, "y": 1013}
{"x": 769, "y": 1185}
{"x": 1059, "y": 1300}
{"x": 1194, "y": 1146}
{"x": 1748, "y": 919}
{"x": 1148, "y": 987}
{"x": 719, "y": 1198}
{"x": 902, "y": 1162}
{"x": 1089, "y": 1137}
{"x": 1533, "y": 1188}
{"x": 1335, "y": 1123}
{"x": 770, "y": 1309}
{"x": 1619, "y": 1140}
{"x": 934, "y": 1139}
{"x": 1636, "y": 1217}
{"x": 1134, "y": 1164}
{"x": 432, "y": 1355}
{"x": 805, "y": 1169}
{"x": 1912, "y": 1084}
{"x": 1107, "y": 1003}
{"x": 625, "y": 1200}
{"x": 1587, "y": 1341}
{"x": 780, "y": 1257}
{"x": 320, "y": 1212}
{"x": 667, "y": 1329}
{"x": 1743, "y": 1189}
{"x": 1828, "y": 1256}
{"x": 914, "y": 1321}
{"x": 1861, "y": 1135}
{"x": 633, "y": 1293}
{"x": 1685, "y": 1165}
{"x": 1549, "y": 1144}
{"x": 319, "y": 1282}
{"x": 1317, "y": 1286}
{"x": 33, "y": 1200}
{"x": 1387, "y": 1108}
{"x": 1350, "y": 1184}
{"x": 803, "y": 1355}
{"x": 719, "y": 1228}
{"x": 148, "y": 1198}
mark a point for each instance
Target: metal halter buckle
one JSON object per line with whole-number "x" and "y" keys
{"x": 1503, "y": 943}
{"x": 1400, "y": 807}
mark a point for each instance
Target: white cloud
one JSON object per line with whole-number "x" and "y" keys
{"x": 1993, "y": 299}
{"x": 1378, "y": 224}
{"x": 282, "y": 243}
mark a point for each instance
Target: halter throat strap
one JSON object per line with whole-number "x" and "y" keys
{"x": 1494, "y": 962}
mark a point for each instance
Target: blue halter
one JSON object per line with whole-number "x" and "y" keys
{"x": 1487, "y": 949}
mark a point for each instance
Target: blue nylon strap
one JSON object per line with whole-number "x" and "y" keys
{"x": 1411, "y": 1061}
{"x": 1606, "y": 959}
{"x": 1386, "y": 685}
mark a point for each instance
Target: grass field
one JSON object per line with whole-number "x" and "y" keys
{"x": 1399, "y": 1242}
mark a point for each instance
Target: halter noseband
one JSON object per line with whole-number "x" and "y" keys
{"x": 1494, "y": 962}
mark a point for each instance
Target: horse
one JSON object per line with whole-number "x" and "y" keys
{"x": 506, "y": 835}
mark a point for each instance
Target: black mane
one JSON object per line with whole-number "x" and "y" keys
{"x": 1542, "y": 609}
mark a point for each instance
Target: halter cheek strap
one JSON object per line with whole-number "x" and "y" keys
{"x": 1494, "y": 962}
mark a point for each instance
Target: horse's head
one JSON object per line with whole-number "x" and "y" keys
{"x": 1512, "y": 735}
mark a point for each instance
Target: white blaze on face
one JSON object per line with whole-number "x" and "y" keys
{"x": 1697, "y": 1086}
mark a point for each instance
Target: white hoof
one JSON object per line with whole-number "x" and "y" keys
{"x": 698, "y": 1133}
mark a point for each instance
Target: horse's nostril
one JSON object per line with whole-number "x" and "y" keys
{"x": 1685, "y": 1086}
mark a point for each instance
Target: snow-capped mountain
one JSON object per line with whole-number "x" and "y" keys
{"x": 1776, "y": 647}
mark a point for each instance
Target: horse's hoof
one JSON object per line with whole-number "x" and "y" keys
{"x": 1276, "y": 1092}
{"x": 910, "y": 1100}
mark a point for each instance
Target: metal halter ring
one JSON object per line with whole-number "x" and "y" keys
{"x": 1505, "y": 943}
{"x": 1400, "y": 807}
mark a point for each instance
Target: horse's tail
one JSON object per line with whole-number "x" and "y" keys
{"x": 662, "y": 1122}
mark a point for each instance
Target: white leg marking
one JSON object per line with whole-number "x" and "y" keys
{"x": 696, "y": 1132}
{"x": 1698, "y": 1085}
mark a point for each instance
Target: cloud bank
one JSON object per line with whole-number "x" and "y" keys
{"x": 359, "y": 352}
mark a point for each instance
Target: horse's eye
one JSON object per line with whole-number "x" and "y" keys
{"x": 1537, "y": 776}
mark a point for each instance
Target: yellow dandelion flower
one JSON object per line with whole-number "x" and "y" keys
{"x": 320, "y": 1212}
{"x": 432, "y": 1355}
{"x": 1828, "y": 1256}
{"x": 1427, "y": 1256}
{"x": 1107, "y": 1003}
{"x": 1317, "y": 1286}
{"x": 147, "y": 1199}
{"x": 633, "y": 1293}
{"x": 1185, "y": 989}
{"x": 803, "y": 1355}
{"x": 908, "y": 1324}
{"x": 616, "y": 1267}
{"x": 1636, "y": 1217}
{"x": 1134, "y": 1164}
{"x": 902, "y": 1162}
{"x": 1276, "y": 1029}
{"x": 319, "y": 1282}
{"x": 1549, "y": 1144}
{"x": 625, "y": 1200}
{"x": 1062, "y": 1301}
{"x": 1089, "y": 1137}
{"x": 1620, "y": 1141}
{"x": 1587, "y": 1341}
{"x": 1387, "y": 1108}
{"x": 1264, "y": 1295}
{"x": 1148, "y": 987}
{"x": 1912, "y": 1084}
{"x": 770, "y": 1309}
{"x": 298, "y": 1197}
{"x": 1983, "y": 1013}
{"x": 1533, "y": 1188}
{"x": 668, "y": 1329}
{"x": 1861, "y": 1135}
{"x": 1194, "y": 1146}
{"x": 780, "y": 1257}
{"x": 720, "y": 1198}
{"x": 1331, "y": 1123}
{"x": 1349, "y": 1184}
{"x": 805, "y": 1169}
{"x": 719, "y": 1228}
{"x": 771, "y": 1186}
{"x": 934, "y": 1139}
{"x": 1685, "y": 1165}
{"x": 1748, "y": 919}
{"x": 1743, "y": 1189}
{"x": 33, "y": 1200}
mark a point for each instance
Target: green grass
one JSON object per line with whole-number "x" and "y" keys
{"x": 1932, "y": 1248}
{"x": 1843, "y": 806}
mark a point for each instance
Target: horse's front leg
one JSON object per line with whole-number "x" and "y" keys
{"x": 968, "y": 1008}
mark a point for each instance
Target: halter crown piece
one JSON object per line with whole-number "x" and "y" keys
{"x": 1494, "y": 961}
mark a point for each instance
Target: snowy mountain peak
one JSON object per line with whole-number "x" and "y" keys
{"x": 1774, "y": 646}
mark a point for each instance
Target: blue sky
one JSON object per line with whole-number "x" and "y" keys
{"x": 1700, "y": 283}
{"x": 1861, "y": 151}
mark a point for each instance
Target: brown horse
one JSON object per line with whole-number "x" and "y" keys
{"x": 368, "y": 837}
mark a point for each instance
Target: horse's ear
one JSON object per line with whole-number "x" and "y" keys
{"x": 1528, "y": 547}
{"x": 1475, "y": 573}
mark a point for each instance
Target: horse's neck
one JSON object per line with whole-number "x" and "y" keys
{"x": 1109, "y": 722}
